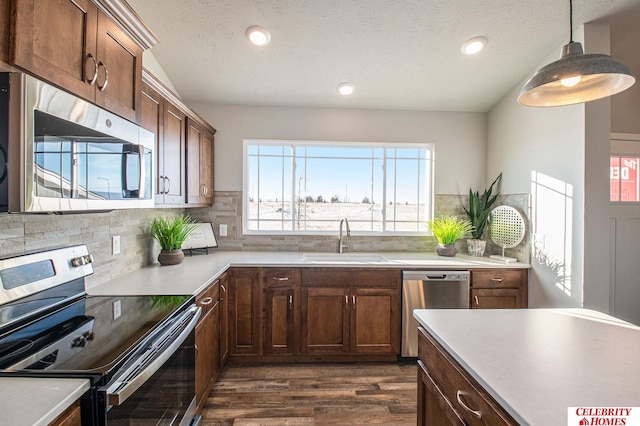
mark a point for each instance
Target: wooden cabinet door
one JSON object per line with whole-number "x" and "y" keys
{"x": 119, "y": 70}
{"x": 224, "y": 320}
{"x": 434, "y": 409}
{"x": 280, "y": 321}
{"x": 170, "y": 185}
{"x": 325, "y": 320}
{"x": 496, "y": 298}
{"x": 199, "y": 164}
{"x": 5, "y": 13}
{"x": 244, "y": 311}
{"x": 207, "y": 355}
{"x": 56, "y": 40}
{"x": 375, "y": 320}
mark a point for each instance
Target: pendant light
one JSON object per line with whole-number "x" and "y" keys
{"x": 577, "y": 77}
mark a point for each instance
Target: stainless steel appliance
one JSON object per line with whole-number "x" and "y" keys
{"x": 137, "y": 351}
{"x": 429, "y": 290}
{"x": 62, "y": 153}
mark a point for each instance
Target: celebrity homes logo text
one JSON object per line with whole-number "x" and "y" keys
{"x": 603, "y": 416}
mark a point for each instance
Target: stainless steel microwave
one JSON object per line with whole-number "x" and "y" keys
{"x": 64, "y": 154}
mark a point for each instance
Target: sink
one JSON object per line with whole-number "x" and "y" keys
{"x": 343, "y": 258}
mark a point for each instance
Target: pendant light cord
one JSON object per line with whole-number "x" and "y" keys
{"x": 570, "y": 21}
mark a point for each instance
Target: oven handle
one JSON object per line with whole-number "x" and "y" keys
{"x": 124, "y": 386}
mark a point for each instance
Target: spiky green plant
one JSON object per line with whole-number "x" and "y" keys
{"x": 480, "y": 207}
{"x": 449, "y": 229}
{"x": 171, "y": 232}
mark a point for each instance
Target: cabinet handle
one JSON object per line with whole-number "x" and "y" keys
{"x": 281, "y": 278}
{"x": 206, "y": 301}
{"x": 290, "y": 302}
{"x": 353, "y": 302}
{"x": 476, "y": 413}
{"x": 106, "y": 77}
{"x": 93, "y": 79}
{"x": 346, "y": 301}
{"x": 224, "y": 290}
{"x": 475, "y": 298}
{"x": 167, "y": 187}
{"x": 497, "y": 280}
{"x": 196, "y": 348}
{"x": 206, "y": 190}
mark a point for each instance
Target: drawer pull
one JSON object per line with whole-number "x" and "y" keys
{"x": 476, "y": 413}
{"x": 476, "y": 300}
{"x": 281, "y": 278}
{"x": 497, "y": 280}
{"x": 206, "y": 301}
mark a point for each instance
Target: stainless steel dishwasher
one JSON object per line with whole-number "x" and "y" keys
{"x": 429, "y": 290}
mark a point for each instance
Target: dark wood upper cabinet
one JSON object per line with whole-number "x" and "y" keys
{"x": 5, "y": 14}
{"x": 199, "y": 164}
{"x": 171, "y": 157}
{"x": 74, "y": 45}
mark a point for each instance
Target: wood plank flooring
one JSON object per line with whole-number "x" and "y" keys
{"x": 314, "y": 394}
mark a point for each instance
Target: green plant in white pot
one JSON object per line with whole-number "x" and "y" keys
{"x": 171, "y": 233}
{"x": 478, "y": 213}
{"x": 448, "y": 230}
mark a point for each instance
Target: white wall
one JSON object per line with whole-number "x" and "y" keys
{"x": 567, "y": 150}
{"x": 459, "y": 138}
{"x": 549, "y": 141}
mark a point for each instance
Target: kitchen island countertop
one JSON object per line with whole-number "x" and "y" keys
{"x": 19, "y": 406}
{"x": 536, "y": 363}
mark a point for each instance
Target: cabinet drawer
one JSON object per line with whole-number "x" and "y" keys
{"x": 498, "y": 278}
{"x": 280, "y": 277}
{"x": 208, "y": 298}
{"x": 472, "y": 403}
{"x": 354, "y": 278}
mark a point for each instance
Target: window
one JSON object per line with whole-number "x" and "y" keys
{"x": 623, "y": 179}
{"x": 307, "y": 187}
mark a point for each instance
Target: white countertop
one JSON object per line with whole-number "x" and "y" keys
{"x": 538, "y": 362}
{"x": 33, "y": 402}
{"x": 197, "y": 271}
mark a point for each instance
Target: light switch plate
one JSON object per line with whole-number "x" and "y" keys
{"x": 223, "y": 229}
{"x": 115, "y": 244}
{"x": 117, "y": 309}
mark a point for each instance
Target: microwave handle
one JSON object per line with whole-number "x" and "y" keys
{"x": 125, "y": 386}
{"x": 143, "y": 172}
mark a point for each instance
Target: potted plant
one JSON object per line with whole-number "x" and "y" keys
{"x": 171, "y": 233}
{"x": 448, "y": 230}
{"x": 478, "y": 213}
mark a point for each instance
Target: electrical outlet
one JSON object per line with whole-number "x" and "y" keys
{"x": 223, "y": 229}
{"x": 117, "y": 309}
{"x": 115, "y": 244}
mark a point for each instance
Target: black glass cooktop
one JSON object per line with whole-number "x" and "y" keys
{"x": 91, "y": 334}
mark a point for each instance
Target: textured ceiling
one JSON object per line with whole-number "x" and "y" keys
{"x": 400, "y": 54}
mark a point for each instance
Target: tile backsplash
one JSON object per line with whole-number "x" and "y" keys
{"x": 21, "y": 233}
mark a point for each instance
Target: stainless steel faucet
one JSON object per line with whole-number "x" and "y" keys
{"x": 343, "y": 243}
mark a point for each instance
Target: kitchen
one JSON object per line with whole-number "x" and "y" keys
{"x": 502, "y": 138}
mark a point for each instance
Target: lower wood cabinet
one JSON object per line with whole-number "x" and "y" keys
{"x": 224, "y": 319}
{"x": 207, "y": 343}
{"x": 69, "y": 417}
{"x": 499, "y": 289}
{"x": 448, "y": 395}
{"x": 244, "y": 311}
{"x": 344, "y": 320}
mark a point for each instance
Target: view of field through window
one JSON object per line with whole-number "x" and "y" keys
{"x": 310, "y": 186}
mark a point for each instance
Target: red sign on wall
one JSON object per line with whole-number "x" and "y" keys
{"x": 623, "y": 178}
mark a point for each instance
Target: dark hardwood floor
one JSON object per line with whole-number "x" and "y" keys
{"x": 314, "y": 394}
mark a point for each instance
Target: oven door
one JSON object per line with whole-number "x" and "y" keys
{"x": 157, "y": 386}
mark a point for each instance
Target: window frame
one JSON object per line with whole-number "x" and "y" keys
{"x": 429, "y": 190}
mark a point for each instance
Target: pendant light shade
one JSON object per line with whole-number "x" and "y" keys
{"x": 576, "y": 77}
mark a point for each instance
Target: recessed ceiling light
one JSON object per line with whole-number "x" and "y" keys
{"x": 473, "y": 45}
{"x": 345, "y": 89}
{"x": 258, "y": 35}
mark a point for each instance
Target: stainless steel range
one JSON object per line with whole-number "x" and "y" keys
{"x": 138, "y": 351}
